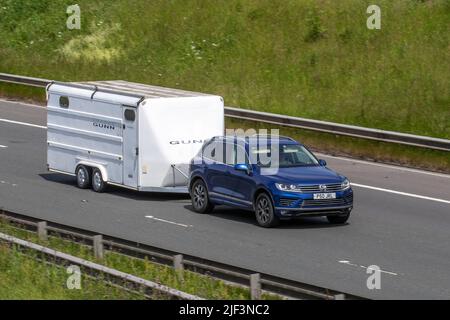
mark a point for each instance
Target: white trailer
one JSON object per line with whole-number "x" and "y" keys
{"x": 127, "y": 134}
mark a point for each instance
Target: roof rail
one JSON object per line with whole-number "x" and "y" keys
{"x": 96, "y": 89}
{"x": 279, "y": 136}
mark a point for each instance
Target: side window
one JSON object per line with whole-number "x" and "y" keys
{"x": 230, "y": 154}
{"x": 213, "y": 151}
{"x": 64, "y": 102}
{"x": 241, "y": 156}
{"x": 236, "y": 154}
{"x": 130, "y": 115}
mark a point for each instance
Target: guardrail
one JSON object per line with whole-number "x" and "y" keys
{"x": 296, "y": 122}
{"x": 114, "y": 277}
{"x": 28, "y": 81}
{"x": 257, "y": 282}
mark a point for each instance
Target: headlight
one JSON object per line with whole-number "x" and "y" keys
{"x": 287, "y": 187}
{"x": 345, "y": 184}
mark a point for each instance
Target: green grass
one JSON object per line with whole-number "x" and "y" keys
{"x": 306, "y": 58}
{"x": 27, "y": 277}
{"x": 360, "y": 148}
{"x": 43, "y": 283}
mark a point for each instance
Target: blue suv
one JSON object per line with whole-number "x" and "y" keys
{"x": 276, "y": 177}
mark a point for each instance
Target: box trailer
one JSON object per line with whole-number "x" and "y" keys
{"x": 127, "y": 134}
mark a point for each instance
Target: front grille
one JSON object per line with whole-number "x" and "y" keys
{"x": 332, "y": 187}
{"x": 348, "y": 199}
{"x": 323, "y": 202}
{"x": 287, "y": 202}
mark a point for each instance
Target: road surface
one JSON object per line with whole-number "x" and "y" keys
{"x": 400, "y": 223}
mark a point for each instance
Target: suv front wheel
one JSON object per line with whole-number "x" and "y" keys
{"x": 264, "y": 211}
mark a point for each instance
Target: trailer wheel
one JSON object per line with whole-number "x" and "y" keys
{"x": 83, "y": 175}
{"x": 200, "y": 198}
{"x": 98, "y": 184}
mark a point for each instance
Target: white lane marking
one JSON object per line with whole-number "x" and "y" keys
{"x": 2, "y": 146}
{"x": 346, "y": 262}
{"x": 23, "y": 103}
{"x": 23, "y": 123}
{"x": 171, "y": 222}
{"x": 8, "y": 183}
{"x": 442, "y": 175}
{"x": 401, "y": 193}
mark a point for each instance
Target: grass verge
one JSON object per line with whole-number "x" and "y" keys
{"x": 27, "y": 277}
{"x": 383, "y": 152}
{"x": 307, "y": 58}
{"x": 42, "y": 281}
{"x": 313, "y": 59}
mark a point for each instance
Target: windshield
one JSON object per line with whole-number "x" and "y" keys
{"x": 286, "y": 155}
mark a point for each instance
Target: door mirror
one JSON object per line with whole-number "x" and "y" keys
{"x": 242, "y": 167}
{"x": 322, "y": 163}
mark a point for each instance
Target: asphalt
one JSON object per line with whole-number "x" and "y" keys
{"x": 400, "y": 222}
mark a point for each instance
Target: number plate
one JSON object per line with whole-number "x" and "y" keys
{"x": 322, "y": 196}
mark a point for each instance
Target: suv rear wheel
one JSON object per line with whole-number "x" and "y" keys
{"x": 264, "y": 211}
{"x": 200, "y": 198}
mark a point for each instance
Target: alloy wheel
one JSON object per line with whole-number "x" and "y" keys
{"x": 263, "y": 210}
{"x": 82, "y": 177}
{"x": 97, "y": 180}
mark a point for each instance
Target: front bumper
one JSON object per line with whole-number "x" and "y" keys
{"x": 289, "y": 204}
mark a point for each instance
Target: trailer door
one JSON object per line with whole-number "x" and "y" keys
{"x": 130, "y": 147}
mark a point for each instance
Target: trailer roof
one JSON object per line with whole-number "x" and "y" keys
{"x": 144, "y": 90}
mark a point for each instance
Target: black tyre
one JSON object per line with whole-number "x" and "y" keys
{"x": 339, "y": 219}
{"x": 98, "y": 184}
{"x": 83, "y": 175}
{"x": 200, "y": 198}
{"x": 264, "y": 211}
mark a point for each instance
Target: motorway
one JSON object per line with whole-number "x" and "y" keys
{"x": 401, "y": 220}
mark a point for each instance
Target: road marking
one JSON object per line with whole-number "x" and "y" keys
{"x": 2, "y": 146}
{"x": 23, "y": 123}
{"x": 442, "y": 175}
{"x": 171, "y": 222}
{"x": 8, "y": 183}
{"x": 23, "y": 103}
{"x": 346, "y": 262}
{"x": 401, "y": 193}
